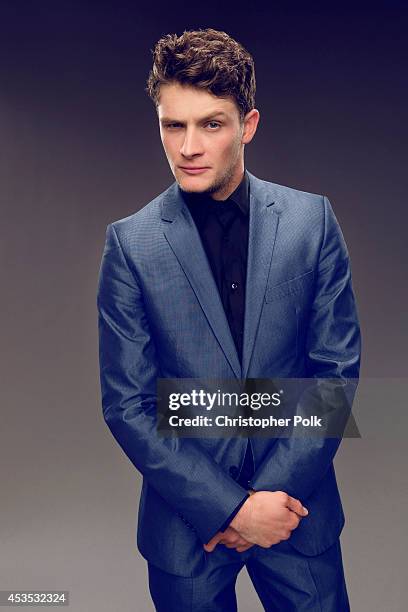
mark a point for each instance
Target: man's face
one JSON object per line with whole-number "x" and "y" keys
{"x": 202, "y": 138}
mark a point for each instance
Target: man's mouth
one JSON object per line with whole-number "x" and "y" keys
{"x": 193, "y": 169}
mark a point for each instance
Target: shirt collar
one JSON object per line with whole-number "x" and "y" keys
{"x": 241, "y": 194}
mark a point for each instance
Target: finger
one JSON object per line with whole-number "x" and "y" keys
{"x": 294, "y": 520}
{"x": 244, "y": 547}
{"x": 209, "y": 547}
{"x": 232, "y": 541}
{"x": 242, "y": 542}
{"x": 231, "y": 544}
{"x": 296, "y": 506}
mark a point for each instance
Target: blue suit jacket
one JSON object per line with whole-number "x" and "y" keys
{"x": 160, "y": 315}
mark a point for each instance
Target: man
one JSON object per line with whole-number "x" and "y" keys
{"x": 224, "y": 275}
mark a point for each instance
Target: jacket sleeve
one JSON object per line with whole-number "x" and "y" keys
{"x": 181, "y": 472}
{"x": 296, "y": 465}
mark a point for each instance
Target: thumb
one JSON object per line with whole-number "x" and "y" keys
{"x": 296, "y": 506}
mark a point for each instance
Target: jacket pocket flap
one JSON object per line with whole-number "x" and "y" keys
{"x": 289, "y": 287}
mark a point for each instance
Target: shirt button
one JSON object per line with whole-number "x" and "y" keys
{"x": 234, "y": 286}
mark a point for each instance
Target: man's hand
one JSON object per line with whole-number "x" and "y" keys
{"x": 268, "y": 517}
{"x": 231, "y": 538}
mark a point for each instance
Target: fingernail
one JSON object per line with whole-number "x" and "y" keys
{"x": 305, "y": 510}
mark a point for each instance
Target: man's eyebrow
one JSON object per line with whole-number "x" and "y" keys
{"x": 206, "y": 118}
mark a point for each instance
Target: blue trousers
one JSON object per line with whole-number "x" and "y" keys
{"x": 285, "y": 581}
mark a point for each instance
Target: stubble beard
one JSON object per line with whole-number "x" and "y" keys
{"x": 219, "y": 183}
{"x": 222, "y": 182}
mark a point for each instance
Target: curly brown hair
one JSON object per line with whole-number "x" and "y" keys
{"x": 208, "y": 59}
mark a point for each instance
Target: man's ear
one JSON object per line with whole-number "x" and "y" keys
{"x": 251, "y": 120}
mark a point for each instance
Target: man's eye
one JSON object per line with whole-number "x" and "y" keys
{"x": 212, "y": 124}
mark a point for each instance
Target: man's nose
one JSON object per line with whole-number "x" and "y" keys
{"x": 191, "y": 144}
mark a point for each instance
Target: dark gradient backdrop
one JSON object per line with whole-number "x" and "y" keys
{"x": 79, "y": 148}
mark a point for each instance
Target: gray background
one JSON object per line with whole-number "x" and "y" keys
{"x": 80, "y": 148}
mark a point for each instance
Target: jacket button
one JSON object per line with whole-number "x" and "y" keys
{"x": 233, "y": 471}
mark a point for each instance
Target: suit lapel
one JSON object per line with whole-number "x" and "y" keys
{"x": 263, "y": 225}
{"x": 183, "y": 237}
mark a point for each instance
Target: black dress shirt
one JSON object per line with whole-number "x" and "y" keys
{"x": 223, "y": 226}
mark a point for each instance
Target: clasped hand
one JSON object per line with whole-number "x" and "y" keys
{"x": 266, "y": 518}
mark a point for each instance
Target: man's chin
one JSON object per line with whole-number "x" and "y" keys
{"x": 193, "y": 184}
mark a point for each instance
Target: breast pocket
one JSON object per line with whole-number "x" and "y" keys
{"x": 294, "y": 286}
